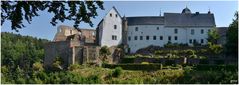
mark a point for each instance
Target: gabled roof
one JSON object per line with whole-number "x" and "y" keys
{"x": 107, "y": 13}
{"x": 177, "y": 19}
{"x": 145, "y": 20}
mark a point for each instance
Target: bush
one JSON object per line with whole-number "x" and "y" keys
{"x": 127, "y": 60}
{"x": 144, "y": 62}
{"x": 170, "y": 62}
{"x": 117, "y": 72}
{"x": 216, "y": 49}
{"x": 134, "y": 66}
{"x": 216, "y": 67}
{"x": 219, "y": 62}
{"x": 203, "y": 61}
{"x": 104, "y": 51}
{"x": 190, "y": 52}
{"x": 73, "y": 67}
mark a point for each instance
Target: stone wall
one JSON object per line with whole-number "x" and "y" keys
{"x": 57, "y": 49}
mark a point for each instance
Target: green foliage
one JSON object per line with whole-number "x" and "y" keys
{"x": 104, "y": 51}
{"x": 127, "y": 60}
{"x": 173, "y": 45}
{"x": 203, "y": 61}
{"x": 19, "y": 11}
{"x": 73, "y": 67}
{"x": 213, "y": 36}
{"x": 216, "y": 67}
{"x": 216, "y": 49}
{"x": 117, "y": 72}
{"x": 144, "y": 62}
{"x": 232, "y": 37}
{"x": 134, "y": 66}
{"x": 37, "y": 66}
{"x": 57, "y": 64}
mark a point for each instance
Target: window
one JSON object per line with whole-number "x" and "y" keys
{"x": 194, "y": 41}
{"x": 70, "y": 31}
{"x": 115, "y": 26}
{"x": 110, "y": 15}
{"x": 116, "y": 15}
{"x": 154, "y": 37}
{"x": 176, "y": 31}
{"x": 190, "y": 41}
{"x": 147, "y": 37}
{"x": 157, "y": 28}
{"x": 135, "y": 37}
{"x": 175, "y": 38}
{"x": 169, "y": 38}
{"x": 136, "y": 28}
{"x": 114, "y": 37}
{"x": 202, "y": 31}
{"x": 192, "y": 31}
{"x": 141, "y": 32}
{"x": 129, "y": 38}
{"x": 202, "y": 41}
{"x": 161, "y": 37}
{"x": 141, "y": 37}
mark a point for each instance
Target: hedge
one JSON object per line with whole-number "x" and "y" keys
{"x": 127, "y": 60}
{"x": 134, "y": 66}
{"x": 216, "y": 67}
{"x": 140, "y": 66}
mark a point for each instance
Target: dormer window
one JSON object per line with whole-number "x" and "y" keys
{"x": 115, "y": 26}
{"x": 110, "y": 15}
{"x": 136, "y": 29}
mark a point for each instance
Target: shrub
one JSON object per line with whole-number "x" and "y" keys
{"x": 216, "y": 49}
{"x": 145, "y": 63}
{"x": 202, "y": 57}
{"x": 216, "y": 67}
{"x": 193, "y": 56}
{"x": 127, "y": 60}
{"x": 73, "y": 67}
{"x": 219, "y": 62}
{"x": 104, "y": 51}
{"x": 190, "y": 52}
{"x": 169, "y": 62}
{"x": 203, "y": 61}
{"x": 134, "y": 66}
{"x": 117, "y": 72}
{"x": 37, "y": 66}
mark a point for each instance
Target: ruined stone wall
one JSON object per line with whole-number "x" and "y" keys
{"x": 61, "y": 49}
{"x": 91, "y": 53}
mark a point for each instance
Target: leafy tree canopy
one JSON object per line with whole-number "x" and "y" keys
{"x": 232, "y": 37}
{"x": 78, "y": 11}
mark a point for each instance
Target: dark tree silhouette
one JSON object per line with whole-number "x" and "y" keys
{"x": 18, "y": 11}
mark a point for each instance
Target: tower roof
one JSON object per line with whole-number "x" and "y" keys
{"x": 186, "y": 11}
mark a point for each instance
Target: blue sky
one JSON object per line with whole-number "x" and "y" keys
{"x": 222, "y": 10}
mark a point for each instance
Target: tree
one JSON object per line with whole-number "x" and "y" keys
{"x": 78, "y": 11}
{"x": 232, "y": 37}
{"x": 104, "y": 52}
{"x": 213, "y": 36}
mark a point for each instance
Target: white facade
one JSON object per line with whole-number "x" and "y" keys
{"x": 110, "y": 29}
{"x": 155, "y": 30}
{"x": 182, "y": 35}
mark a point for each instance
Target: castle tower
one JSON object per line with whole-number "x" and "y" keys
{"x": 124, "y": 31}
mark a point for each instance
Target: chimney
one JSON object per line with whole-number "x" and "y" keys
{"x": 197, "y": 13}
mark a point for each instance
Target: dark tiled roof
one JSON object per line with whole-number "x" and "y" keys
{"x": 222, "y": 31}
{"x": 147, "y": 20}
{"x": 174, "y": 19}
{"x": 177, "y": 19}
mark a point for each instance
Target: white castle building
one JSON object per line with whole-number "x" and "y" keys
{"x": 142, "y": 31}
